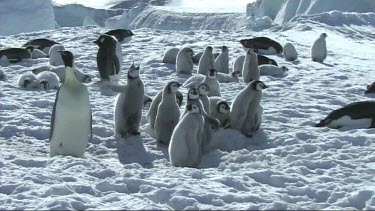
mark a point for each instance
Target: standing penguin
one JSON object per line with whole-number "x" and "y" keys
{"x": 185, "y": 149}
{"x": 250, "y": 70}
{"x": 129, "y": 105}
{"x": 71, "y": 123}
{"x": 245, "y": 111}
{"x": 290, "y": 52}
{"x": 220, "y": 110}
{"x": 319, "y": 49}
{"x": 184, "y": 62}
{"x": 206, "y": 62}
{"x": 55, "y": 58}
{"x": 221, "y": 63}
{"x": 168, "y": 113}
{"x": 204, "y": 90}
{"x": 109, "y": 57}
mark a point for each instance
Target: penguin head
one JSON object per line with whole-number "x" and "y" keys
{"x": 193, "y": 94}
{"x": 284, "y": 68}
{"x": 133, "y": 72}
{"x": 243, "y": 42}
{"x": 193, "y": 108}
{"x": 323, "y": 35}
{"x": 67, "y": 58}
{"x": 104, "y": 40}
{"x": 212, "y": 74}
{"x": 44, "y": 84}
{"x": 224, "y": 48}
{"x": 179, "y": 98}
{"x": 223, "y": 107}
{"x": 209, "y": 48}
{"x": 203, "y": 89}
{"x": 173, "y": 86}
{"x": 189, "y": 51}
{"x": 258, "y": 85}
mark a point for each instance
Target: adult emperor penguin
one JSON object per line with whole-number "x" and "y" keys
{"x": 245, "y": 110}
{"x": 129, "y": 105}
{"x": 13, "y": 55}
{"x": 250, "y": 70}
{"x": 71, "y": 122}
{"x": 60, "y": 72}
{"x": 168, "y": 113}
{"x": 206, "y": 62}
{"x": 109, "y": 57}
{"x": 122, "y": 35}
{"x": 28, "y": 81}
{"x": 263, "y": 45}
{"x": 220, "y": 110}
{"x": 153, "y": 110}
{"x": 55, "y": 58}
{"x": 184, "y": 62}
{"x": 272, "y": 70}
{"x": 48, "y": 80}
{"x": 221, "y": 63}
{"x": 318, "y": 50}
{"x": 185, "y": 148}
{"x": 290, "y": 52}
{"x": 358, "y": 114}
{"x": 42, "y": 44}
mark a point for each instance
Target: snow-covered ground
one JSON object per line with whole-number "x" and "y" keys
{"x": 288, "y": 164}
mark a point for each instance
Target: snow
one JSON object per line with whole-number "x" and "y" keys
{"x": 288, "y": 164}
{"x": 27, "y": 15}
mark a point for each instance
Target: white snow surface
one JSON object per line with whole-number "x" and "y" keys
{"x": 25, "y": 16}
{"x": 288, "y": 164}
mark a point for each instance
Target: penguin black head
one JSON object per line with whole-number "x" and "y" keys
{"x": 203, "y": 89}
{"x": 193, "y": 94}
{"x": 104, "y": 40}
{"x": 222, "y": 107}
{"x": 370, "y": 88}
{"x": 224, "y": 48}
{"x": 173, "y": 86}
{"x": 209, "y": 48}
{"x": 193, "y": 108}
{"x": 258, "y": 85}
{"x": 67, "y": 58}
{"x": 133, "y": 72}
{"x": 44, "y": 85}
{"x": 179, "y": 98}
{"x": 26, "y": 82}
{"x": 212, "y": 73}
{"x": 243, "y": 42}
{"x": 324, "y": 35}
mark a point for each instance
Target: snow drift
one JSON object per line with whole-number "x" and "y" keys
{"x": 25, "y": 16}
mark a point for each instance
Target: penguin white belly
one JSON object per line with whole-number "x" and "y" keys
{"x": 269, "y": 51}
{"x": 36, "y": 54}
{"x": 72, "y": 125}
{"x": 238, "y": 64}
{"x": 120, "y": 100}
{"x": 271, "y": 70}
{"x": 347, "y": 121}
{"x": 127, "y": 39}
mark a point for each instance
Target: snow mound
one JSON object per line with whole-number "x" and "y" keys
{"x": 124, "y": 20}
{"x": 88, "y": 21}
{"x": 25, "y": 16}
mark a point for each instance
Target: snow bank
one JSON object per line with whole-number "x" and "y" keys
{"x": 124, "y": 20}
{"x": 291, "y": 8}
{"x": 25, "y": 16}
{"x": 75, "y": 14}
{"x": 261, "y": 8}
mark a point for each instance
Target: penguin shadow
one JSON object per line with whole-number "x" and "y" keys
{"x": 325, "y": 64}
{"x": 295, "y": 62}
{"x": 131, "y": 150}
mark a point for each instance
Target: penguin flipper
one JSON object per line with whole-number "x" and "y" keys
{"x": 53, "y": 114}
{"x": 116, "y": 63}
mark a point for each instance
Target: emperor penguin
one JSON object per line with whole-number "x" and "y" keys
{"x": 152, "y": 111}
{"x": 14, "y": 55}
{"x": 168, "y": 113}
{"x": 250, "y": 70}
{"x": 184, "y": 62}
{"x": 245, "y": 110}
{"x": 197, "y": 79}
{"x": 192, "y": 97}
{"x": 60, "y": 72}
{"x": 220, "y": 110}
{"x": 359, "y": 114}
{"x": 129, "y": 105}
{"x": 212, "y": 82}
{"x": 185, "y": 148}
{"x": 48, "y": 80}
{"x": 71, "y": 122}
{"x": 28, "y": 81}
{"x": 109, "y": 57}
{"x": 203, "y": 91}
{"x": 272, "y": 70}
{"x": 122, "y": 35}
{"x": 197, "y": 56}
{"x": 238, "y": 62}
{"x": 318, "y": 50}
{"x": 290, "y": 52}
{"x": 55, "y": 58}
{"x": 221, "y": 63}
{"x": 170, "y": 55}
{"x": 263, "y": 45}
{"x": 206, "y": 62}
{"x": 42, "y": 44}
